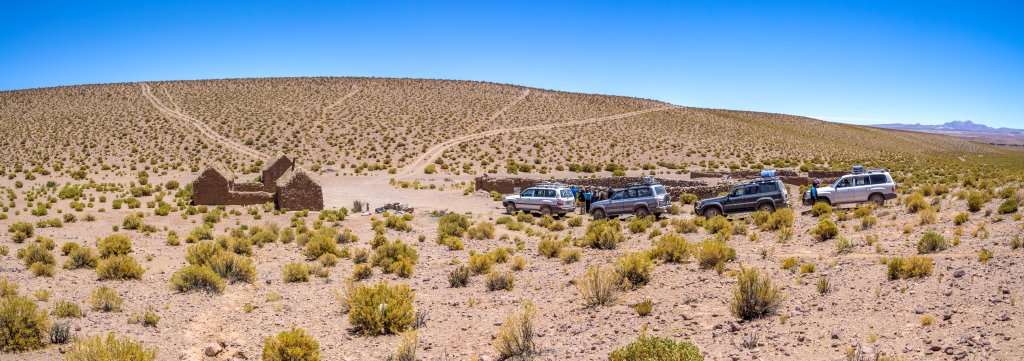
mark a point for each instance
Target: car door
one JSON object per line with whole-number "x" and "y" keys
{"x": 844, "y": 192}
{"x": 546, "y": 198}
{"x": 861, "y": 188}
{"x": 644, "y": 196}
{"x": 614, "y": 202}
{"x": 526, "y": 200}
{"x": 747, "y": 201}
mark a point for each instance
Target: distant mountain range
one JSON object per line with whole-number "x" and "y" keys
{"x": 956, "y": 126}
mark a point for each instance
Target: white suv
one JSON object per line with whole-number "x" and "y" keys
{"x": 544, "y": 198}
{"x": 873, "y": 185}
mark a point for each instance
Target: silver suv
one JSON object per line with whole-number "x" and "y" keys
{"x": 872, "y": 185}
{"x": 544, "y": 198}
{"x": 640, "y": 199}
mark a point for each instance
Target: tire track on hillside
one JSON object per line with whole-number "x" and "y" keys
{"x": 435, "y": 152}
{"x": 500, "y": 112}
{"x": 323, "y": 112}
{"x": 202, "y": 127}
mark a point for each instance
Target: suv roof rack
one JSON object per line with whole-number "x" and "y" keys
{"x": 647, "y": 180}
{"x": 759, "y": 179}
{"x": 857, "y": 169}
{"x": 551, "y": 184}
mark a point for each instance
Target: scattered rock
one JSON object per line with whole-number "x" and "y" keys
{"x": 959, "y": 273}
{"x": 212, "y": 350}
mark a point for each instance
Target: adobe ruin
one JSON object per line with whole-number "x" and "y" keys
{"x": 280, "y": 183}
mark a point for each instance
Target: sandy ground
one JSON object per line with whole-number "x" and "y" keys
{"x": 973, "y": 303}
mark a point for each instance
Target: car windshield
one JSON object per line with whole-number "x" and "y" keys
{"x": 527, "y": 193}
{"x": 659, "y": 190}
{"x": 617, "y": 195}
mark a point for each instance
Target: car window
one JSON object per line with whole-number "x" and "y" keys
{"x": 878, "y": 179}
{"x": 845, "y": 182}
{"x": 659, "y": 190}
{"x": 751, "y": 189}
{"x": 860, "y": 181}
{"x": 617, "y": 195}
{"x": 630, "y": 193}
{"x": 549, "y": 193}
{"x": 566, "y": 193}
{"x": 769, "y": 187}
{"x": 527, "y": 193}
{"x": 738, "y": 191}
{"x": 643, "y": 192}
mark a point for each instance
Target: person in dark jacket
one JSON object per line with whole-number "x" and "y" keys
{"x": 588, "y": 199}
{"x": 814, "y": 191}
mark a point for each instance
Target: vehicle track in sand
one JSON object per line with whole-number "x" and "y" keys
{"x": 323, "y": 112}
{"x": 436, "y": 151}
{"x": 500, "y": 112}
{"x": 199, "y": 125}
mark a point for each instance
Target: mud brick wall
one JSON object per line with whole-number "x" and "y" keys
{"x": 273, "y": 171}
{"x": 211, "y": 189}
{"x": 301, "y": 193}
{"x": 827, "y": 176}
{"x": 249, "y": 187}
{"x": 249, "y": 198}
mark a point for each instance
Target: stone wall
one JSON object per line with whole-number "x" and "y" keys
{"x": 300, "y": 192}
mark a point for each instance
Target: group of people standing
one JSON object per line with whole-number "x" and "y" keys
{"x": 588, "y": 196}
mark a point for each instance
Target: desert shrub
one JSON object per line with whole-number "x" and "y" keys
{"x": 8, "y": 287}
{"x": 109, "y": 348}
{"x": 515, "y": 336}
{"x": 634, "y": 269}
{"x": 381, "y": 309}
{"x": 821, "y": 209}
{"x": 867, "y": 222}
{"x": 105, "y": 299}
{"x": 719, "y": 225}
{"x": 119, "y": 268}
{"x": 575, "y": 222}
{"x": 931, "y": 242}
{"x": 755, "y": 295}
{"x": 960, "y": 218}
{"x": 295, "y": 272}
{"x": 205, "y": 233}
{"x": 496, "y": 280}
{"x": 825, "y": 230}
{"x": 132, "y": 222}
{"x": 40, "y": 269}
{"x": 233, "y": 267}
{"x": 453, "y": 243}
{"x": 640, "y": 225}
{"x": 984, "y": 255}
{"x": 843, "y": 245}
{"x": 23, "y": 326}
{"x": 518, "y": 263}
{"x": 714, "y": 254}
{"x": 649, "y": 348}
{"x": 360, "y": 255}
{"x": 550, "y": 247}
{"x": 395, "y": 257}
{"x": 36, "y": 253}
{"x": 201, "y": 253}
{"x": 603, "y": 234}
{"x": 397, "y": 222}
{"x": 20, "y": 231}
{"x": 599, "y": 286}
{"x": 480, "y": 263}
{"x": 197, "y": 278}
{"x": 806, "y": 268}
{"x": 114, "y": 245}
{"x": 570, "y": 255}
{"x": 361, "y": 272}
{"x": 684, "y": 225}
{"x": 320, "y": 245}
{"x": 68, "y": 247}
{"x": 976, "y": 200}
{"x": 927, "y": 216}
{"x": 66, "y": 309}
{"x": 328, "y": 259}
{"x": 452, "y": 224}
{"x": 291, "y": 345}
{"x": 672, "y": 248}
{"x": 60, "y": 333}
{"x": 913, "y": 267}
{"x": 916, "y": 203}
{"x": 459, "y": 277}
{"x": 481, "y": 230}
{"x": 1008, "y": 206}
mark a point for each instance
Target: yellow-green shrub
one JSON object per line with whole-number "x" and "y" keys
{"x": 295, "y": 272}
{"x": 381, "y": 309}
{"x": 23, "y": 326}
{"x": 119, "y": 268}
{"x": 755, "y": 295}
{"x": 714, "y": 254}
{"x": 672, "y": 248}
{"x": 291, "y": 345}
{"x": 650, "y": 348}
{"x": 109, "y": 348}
{"x": 603, "y": 234}
{"x": 634, "y": 269}
{"x": 825, "y": 230}
{"x": 197, "y": 278}
{"x": 114, "y": 245}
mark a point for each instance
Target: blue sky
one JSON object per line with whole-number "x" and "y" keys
{"x": 857, "y": 61}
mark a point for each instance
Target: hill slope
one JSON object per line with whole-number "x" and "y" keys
{"x": 359, "y": 125}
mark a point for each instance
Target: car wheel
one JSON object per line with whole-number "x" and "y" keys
{"x": 598, "y": 214}
{"x": 877, "y": 199}
{"x": 545, "y": 211}
{"x": 641, "y": 212}
{"x": 510, "y": 208}
{"x": 767, "y": 207}
{"x": 712, "y": 212}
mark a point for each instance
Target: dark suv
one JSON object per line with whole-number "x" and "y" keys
{"x": 641, "y": 199}
{"x": 762, "y": 194}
